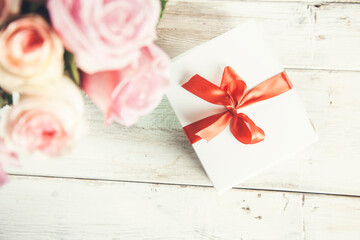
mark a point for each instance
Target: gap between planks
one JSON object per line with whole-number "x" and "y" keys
{"x": 304, "y": 68}
{"x": 182, "y": 185}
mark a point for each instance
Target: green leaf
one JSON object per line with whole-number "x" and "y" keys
{"x": 5, "y": 98}
{"x": 71, "y": 68}
{"x": 163, "y": 5}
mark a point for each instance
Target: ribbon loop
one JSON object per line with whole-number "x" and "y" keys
{"x": 232, "y": 94}
{"x": 269, "y": 88}
{"x": 245, "y": 130}
{"x": 233, "y": 84}
{"x": 206, "y": 90}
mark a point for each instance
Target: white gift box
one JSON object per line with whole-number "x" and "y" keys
{"x": 283, "y": 118}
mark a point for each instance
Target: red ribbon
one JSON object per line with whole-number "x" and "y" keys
{"x": 232, "y": 94}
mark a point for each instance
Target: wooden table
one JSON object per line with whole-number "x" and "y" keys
{"x": 145, "y": 182}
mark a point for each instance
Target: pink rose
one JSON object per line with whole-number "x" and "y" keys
{"x": 8, "y": 8}
{"x": 5, "y": 156}
{"x": 31, "y": 54}
{"x": 48, "y": 120}
{"x": 104, "y": 35}
{"x": 125, "y": 94}
{"x": 3, "y": 177}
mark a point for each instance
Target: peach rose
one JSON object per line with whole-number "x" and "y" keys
{"x": 8, "y": 8}
{"x": 47, "y": 120}
{"x": 128, "y": 93}
{"x": 32, "y": 54}
{"x": 104, "y": 35}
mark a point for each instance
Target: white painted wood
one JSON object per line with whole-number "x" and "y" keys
{"x": 309, "y": 34}
{"x": 331, "y": 217}
{"x": 305, "y": 1}
{"x": 42, "y": 208}
{"x": 303, "y": 34}
{"x": 156, "y": 150}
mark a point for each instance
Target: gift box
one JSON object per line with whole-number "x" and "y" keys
{"x": 237, "y": 106}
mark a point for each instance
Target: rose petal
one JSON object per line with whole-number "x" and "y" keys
{"x": 104, "y": 35}
{"x": 126, "y": 94}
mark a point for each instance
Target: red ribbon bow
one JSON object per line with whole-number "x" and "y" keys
{"x": 232, "y": 94}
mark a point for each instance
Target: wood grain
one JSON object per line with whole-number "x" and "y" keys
{"x": 40, "y": 208}
{"x": 303, "y": 34}
{"x": 156, "y": 150}
{"x": 145, "y": 182}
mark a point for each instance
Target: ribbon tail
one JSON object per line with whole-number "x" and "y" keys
{"x": 207, "y": 128}
{"x": 245, "y": 130}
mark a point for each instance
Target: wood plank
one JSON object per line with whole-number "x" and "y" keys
{"x": 156, "y": 150}
{"x": 304, "y": 35}
{"x": 305, "y": 1}
{"x": 331, "y": 217}
{"x": 42, "y": 208}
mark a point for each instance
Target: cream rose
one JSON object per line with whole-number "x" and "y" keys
{"x": 46, "y": 119}
{"x": 8, "y": 8}
{"x": 32, "y": 54}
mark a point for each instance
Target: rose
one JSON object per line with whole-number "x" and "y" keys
{"x": 125, "y": 94}
{"x": 3, "y": 176}
{"x": 32, "y": 54}
{"x": 8, "y": 8}
{"x": 104, "y": 35}
{"x": 46, "y": 119}
{"x": 5, "y": 156}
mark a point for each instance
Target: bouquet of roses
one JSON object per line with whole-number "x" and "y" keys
{"x": 50, "y": 50}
